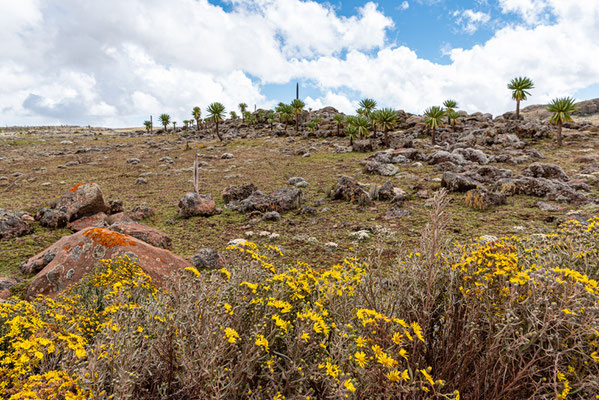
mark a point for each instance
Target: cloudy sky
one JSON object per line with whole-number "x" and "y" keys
{"x": 115, "y": 62}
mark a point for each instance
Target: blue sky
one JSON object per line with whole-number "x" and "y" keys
{"x": 153, "y": 56}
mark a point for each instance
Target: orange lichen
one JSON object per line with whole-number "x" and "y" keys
{"x": 67, "y": 247}
{"x": 108, "y": 238}
{"x": 74, "y": 188}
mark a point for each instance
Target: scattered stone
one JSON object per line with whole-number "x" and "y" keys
{"x": 297, "y": 182}
{"x": 349, "y": 190}
{"x": 547, "y": 171}
{"x": 118, "y": 218}
{"x": 115, "y": 206}
{"x": 167, "y": 159}
{"x": 133, "y": 161}
{"x": 207, "y": 258}
{"x": 142, "y": 211}
{"x": 397, "y": 212}
{"x": 480, "y": 199}
{"x": 7, "y": 283}
{"x": 271, "y": 216}
{"x": 377, "y": 168}
{"x": 13, "y": 224}
{"x": 280, "y": 200}
{"x": 238, "y": 193}
{"x": 488, "y": 239}
{"x": 141, "y": 181}
{"x": 362, "y": 146}
{"x": 227, "y": 156}
{"x": 51, "y": 218}
{"x": 457, "y": 182}
{"x": 193, "y": 204}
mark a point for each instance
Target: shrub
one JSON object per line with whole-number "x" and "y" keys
{"x": 511, "y": 319}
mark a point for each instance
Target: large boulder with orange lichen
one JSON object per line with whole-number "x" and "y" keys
{"x": 72, "y": 257}
{"x": 143, "y": 232}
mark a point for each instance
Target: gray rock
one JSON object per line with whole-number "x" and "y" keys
{"x": 271, "y": 216}
{"x": 239, "y": 192}
{"x": 141, "y": 181}
{"x": 457, "y": 182}
{"x": 227, "y": 156}
{"x": 13, "y": 224}
{"x": 193, "y": 204}
{"x": 377, "y": 168}
{"x": 548, "y": 171}
{"x": 133, "y": 161}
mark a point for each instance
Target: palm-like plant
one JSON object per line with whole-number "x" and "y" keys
{"x": 174, "y": 125}
{"x": 450, "y": 106}
{"x": 561, "y": 109}
{"x": 216, "y": 113}
{"x": 519, "y": 87}
{"x": 148, "y": 125}
{"x": 196, "y": 113}
{"x": 285, "y": 112}
{"x": 368, "y": 105}
{"x": 298, "y": 107}
{"x": 165, "y": 119}
{"x": 361, "y": 124}
{"x": 242, "y": 108}
{"x": 352, "y": 132}
{"x": 233, "y": 115}
{"x": 453, "y": 118}
{"x": 271, "y": 118}
{"x": 434, "y": 119}
{"x": 387, "y": 119}
{"x": 339, "y": 119}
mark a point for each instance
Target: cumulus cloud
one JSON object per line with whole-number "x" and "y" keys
{"x": 404, "y": 5}
{"x": 114, "y": 62}
{"x": 470, "y": 20}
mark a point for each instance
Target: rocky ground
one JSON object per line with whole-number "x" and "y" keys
{"x": 310, "y": 194}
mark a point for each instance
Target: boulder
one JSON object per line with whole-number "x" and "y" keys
{"x": 141, "y": 211}
{"x": 7, "y": 283}
{"x": 548, "y": 171}
{"x": 115, "y": 206}
{"x": 13, "y": 224}
{"x": 362, "y": 146}
{"x": 193, "y": 204}
{"x": 284, "y": 199}
{"x": 238, "y": 192}
{"x": 481, "y": 199}
{"x": 76, "y": 255}
{"x": 474, "y": 155}
{"x": 51, "y": 218}
{"x": 207, "y": 258}
{"x": 144, "y": 233}
{"x": 377, "y": 168}
{"x": 81, "y": 201}
{"x": 349, "y": 190}
{"x": 540, "y": 187}
{"x": 442, "y": 156}
{"x": 96, "y": 220}
{"x": 457, "y": 182}
{"x": 118, "y": 218}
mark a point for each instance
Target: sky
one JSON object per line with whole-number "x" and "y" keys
{"x": 114, "y": 63}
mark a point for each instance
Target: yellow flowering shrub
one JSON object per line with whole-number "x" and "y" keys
{"x": 510, "y": 319}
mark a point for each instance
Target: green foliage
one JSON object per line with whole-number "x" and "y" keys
{"x": 434, "y": 119}
{"x": 216, "y": 113}
{"x": 367, "y": 105}
{"x": 165, "y": 119}
{"x": 148, "y": 125}
{"x": 519, "y": 87}
{"x": 561, "y": 109}
{"x": 387, "y": 119}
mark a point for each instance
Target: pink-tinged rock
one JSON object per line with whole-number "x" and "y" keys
{"x": 145, "y": 233}
{"x": 118, "y": 218}
{"x": 81, "y": 201}
{"x": 96, "y": 220}
{"x": 193, "y": 204}
{"x": 74, "y": 256}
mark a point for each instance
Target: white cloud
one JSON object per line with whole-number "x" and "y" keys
{"x": 65, "y": 61}
{"x": 532, "y": 11}
{"x": 404, "y": 5}
{"x": 469, "y": 20}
